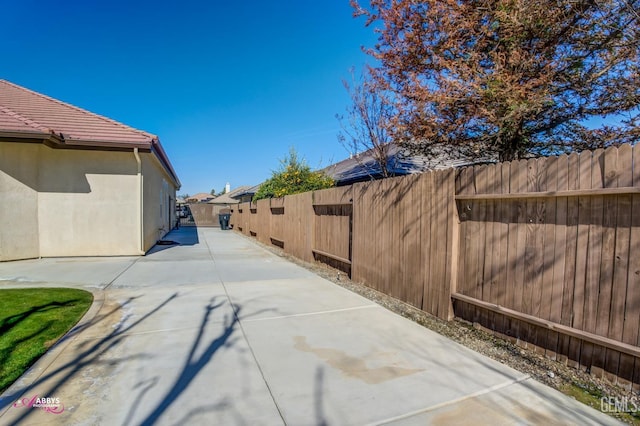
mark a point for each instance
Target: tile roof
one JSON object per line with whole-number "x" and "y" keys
{"x": 228, "y": 197}
{"x": 25, "y": 112}
{"x": 364, "y": 166}
{"x": 250, "y": 190}
{"x": 200, "y": 197}
{"x": 38, "y": 112}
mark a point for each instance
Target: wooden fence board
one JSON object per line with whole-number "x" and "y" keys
{"x": 584, "y": 217}
{"x": 622, "y": 177}
{"x": 412, "y": 247}
{"x": 488, "y": 271}
{"x": 559, "y": 260}
{"x": 470, "y": 256}
{"x": 276, "y": 234}
{"x": 533, "y": 252}
{"x": 631, "y": 331}
{"x": 391, "y": 223}
{"x": 463, "y": 207}
{"x": 569, "y": 346}
{"x": 594, "y": 252}
{"x": 503, "y": 284}
{"x": 608, "y": 179}
{"x": 442, "y": 200}
{"x": 481, "y": 246}
{"x": 450, "y": 241}
{"x": 546, "y": 340}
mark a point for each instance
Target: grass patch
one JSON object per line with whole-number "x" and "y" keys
{"x": 592, "y": 397}
{"x": 31, "y": 321}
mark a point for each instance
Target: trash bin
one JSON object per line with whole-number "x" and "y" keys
{"x": 224, "y": 217}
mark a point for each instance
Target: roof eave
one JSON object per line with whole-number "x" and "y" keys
{"x": 96, "y": 143}
{"x": 21, "y": 135}
{"x": 60, "y": 141}
{"x": 157, "y": 149}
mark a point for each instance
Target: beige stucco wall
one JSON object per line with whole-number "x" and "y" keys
{"x": 159, "y": 201}
{"x": 61, "y": 202}
{"x": 87, "y": 203}
{"x": 19, "y": 201}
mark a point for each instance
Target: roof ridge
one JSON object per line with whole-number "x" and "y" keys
{"x": 29, "y": 122}
{"x": 84, "y": 111}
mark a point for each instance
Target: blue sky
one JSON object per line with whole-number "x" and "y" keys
{"x": 227, "y": 86}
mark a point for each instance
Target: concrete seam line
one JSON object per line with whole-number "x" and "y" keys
{"x": 314, "y": 313}
{"x": 246, "y": 339}
{"x": 163, "y": 330}
{"x": 122, "y": 273}
{"x": 453, "y": 401}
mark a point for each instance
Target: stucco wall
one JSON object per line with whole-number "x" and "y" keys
{"x": 87, "y": 203}
{"x": 19, "y": 201}
{"x": 159, "y": 201}
{"x": 62, "y": 202}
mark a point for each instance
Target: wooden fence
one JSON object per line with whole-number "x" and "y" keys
{"x": 544, "y": 252}
{"x": 203, "y": 214}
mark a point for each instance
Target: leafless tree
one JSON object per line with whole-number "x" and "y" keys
{"x": 365, "y": 128}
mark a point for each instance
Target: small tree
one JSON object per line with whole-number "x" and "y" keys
{"x": 294, "y": 176}
{"x": 366, "y": 123}
{"x": 217, "y": 194}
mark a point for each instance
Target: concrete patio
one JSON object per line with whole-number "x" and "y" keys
{"x": 217, "y": 330}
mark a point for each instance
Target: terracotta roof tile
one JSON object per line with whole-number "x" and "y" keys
{"x": 71, "y": 122}
{"x": 9, "y": 120}
{"x": 25, "y": 111}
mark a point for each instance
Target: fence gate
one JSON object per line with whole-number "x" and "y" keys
{"x": 199, "y": 214}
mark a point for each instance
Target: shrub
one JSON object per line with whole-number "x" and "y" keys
{"x": 294, "y": 176}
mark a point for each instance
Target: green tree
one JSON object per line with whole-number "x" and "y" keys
{"x": 508, "y": 77}
{"x": 294, "y": 176}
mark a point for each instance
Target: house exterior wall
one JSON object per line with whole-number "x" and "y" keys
{"x": 19, "y": 201}
{"x": 87, "y": 203}
{"x": 159, "y": 201}
{"x": 63, "y": 202}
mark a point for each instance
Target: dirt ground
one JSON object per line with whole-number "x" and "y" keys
{"x": 573, "y": 382}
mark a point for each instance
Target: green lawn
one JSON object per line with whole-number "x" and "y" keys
{"x": 31, "y": 320}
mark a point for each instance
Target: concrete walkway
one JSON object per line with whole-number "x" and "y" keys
{"x": 218, "y": 331}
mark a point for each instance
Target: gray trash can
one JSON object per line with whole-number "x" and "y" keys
{"x": 224, "y": 217}
{"x": 224, "y": 221}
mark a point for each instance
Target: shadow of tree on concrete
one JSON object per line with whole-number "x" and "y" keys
{"x": 88, "y": 357}
{"x": 193, "y": 364}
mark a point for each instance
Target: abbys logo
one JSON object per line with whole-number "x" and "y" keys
{"x": 48, "y": 404}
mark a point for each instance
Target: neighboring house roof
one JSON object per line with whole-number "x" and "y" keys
{"x": 200, "y": 197}
{"x": 248, "y": 191}
{"x": 364, "y": 166}
{"x": 228, "y": 197}
{"x": 25, "y": 114}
